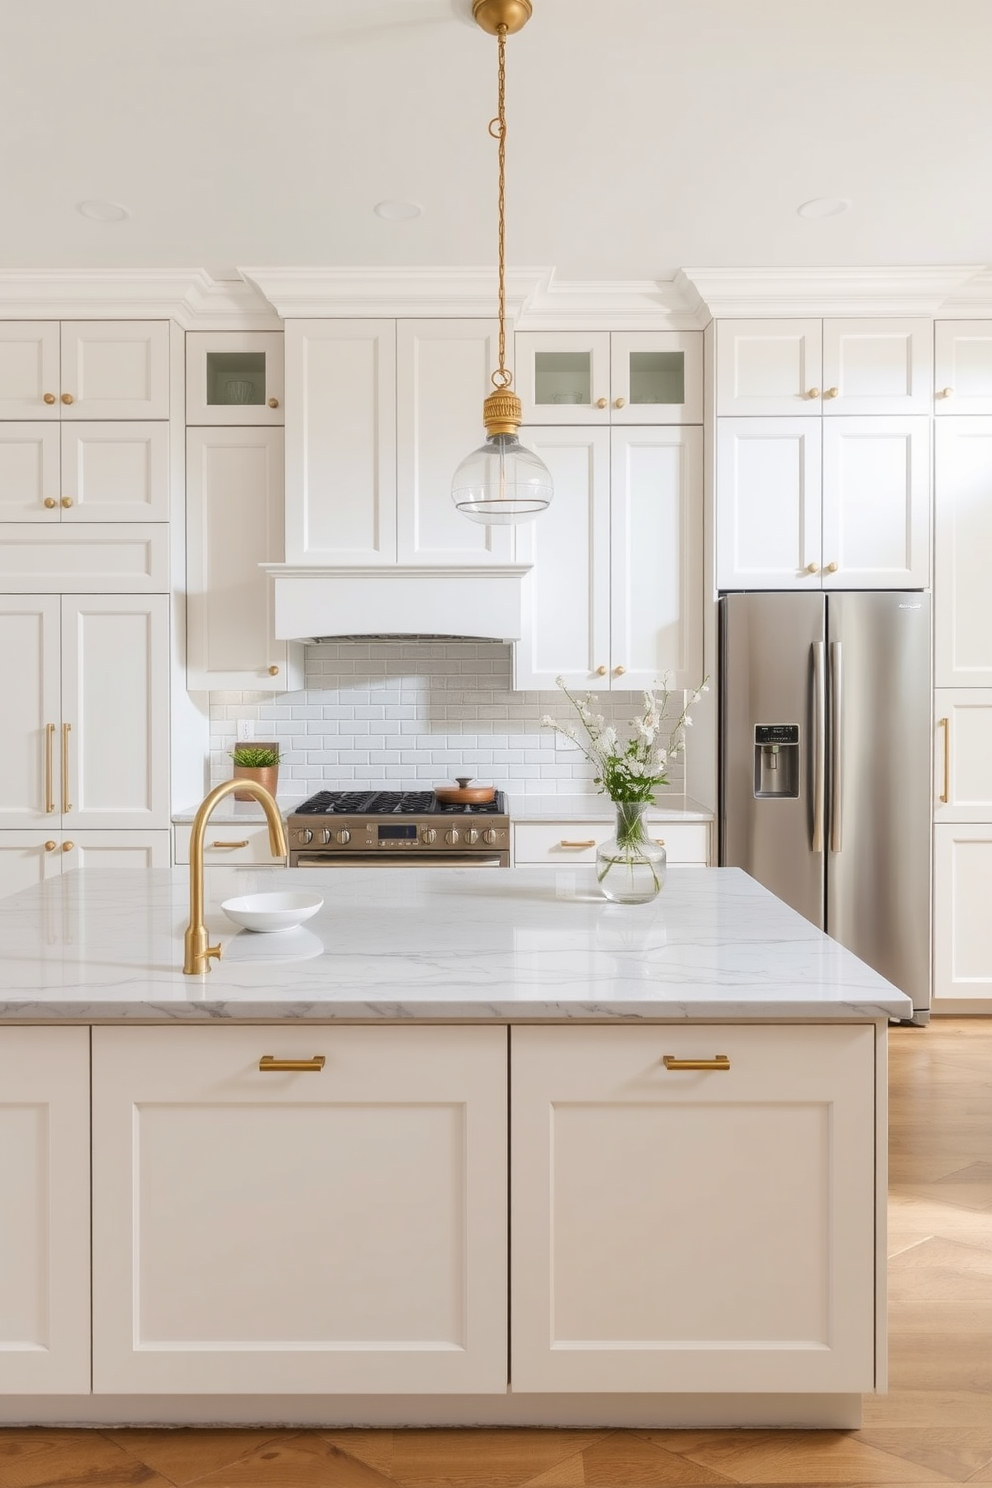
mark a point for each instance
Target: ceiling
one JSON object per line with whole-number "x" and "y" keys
{"x": 644, "y": 135}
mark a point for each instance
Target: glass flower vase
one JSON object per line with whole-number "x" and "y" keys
{"x": 630, "y": 867}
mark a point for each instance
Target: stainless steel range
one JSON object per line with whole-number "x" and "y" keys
{"x": 335, "y": 829}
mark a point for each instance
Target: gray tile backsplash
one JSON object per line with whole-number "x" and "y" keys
{"x": 407, "y": 714}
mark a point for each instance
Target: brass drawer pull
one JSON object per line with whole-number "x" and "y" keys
{"x": 563, "y": 843}
{"x": 720, "y": 1062}
{"x": 660, "y": 841}
{"x": 230, "y": 844}
{"x": 292, "y": 1066}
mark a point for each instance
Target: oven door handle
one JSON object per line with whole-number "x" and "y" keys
{"x": 373, "y": 860}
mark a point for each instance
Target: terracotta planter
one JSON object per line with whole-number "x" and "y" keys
{"x": 265, "y": 775}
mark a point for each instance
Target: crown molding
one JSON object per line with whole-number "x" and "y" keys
{"x": 648, "y": 304}
{"x": 972, "y": 301}
{"x": 371, "y": 292}
{"x": 190, "y": 296}
{"x": 895, "y": 290}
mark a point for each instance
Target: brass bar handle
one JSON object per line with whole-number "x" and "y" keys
{"x": 230, "y": 844}
{"x": 945, "y": 724}
{"x": 591, "y": 843}
{"x": 49, "y": 750}
{"x": 292, "y": 1066}
{"x": 66, "y": 731}
{"x": 819, "y": 747}
{"x": 719, "y": 1062}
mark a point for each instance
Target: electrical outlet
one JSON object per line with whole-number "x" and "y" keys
{"x": 245, "y": 729}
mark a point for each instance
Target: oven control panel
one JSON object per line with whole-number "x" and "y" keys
{"x": 413, "y": 835}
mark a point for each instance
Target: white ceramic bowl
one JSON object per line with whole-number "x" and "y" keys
{"x": 281, "y": 911}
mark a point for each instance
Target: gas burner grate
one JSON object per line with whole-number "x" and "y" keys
{"x": 393, "y": 803}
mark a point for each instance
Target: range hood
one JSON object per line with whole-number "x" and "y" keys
{"x": 471, "y": 600}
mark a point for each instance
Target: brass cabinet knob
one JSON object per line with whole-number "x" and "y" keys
{"x": 50, "y": 846}
{"x": 619, "y": 402}
{"x": 619, "y": 671}
{"x": 66, "y": 397}
{"x": 813, "y": 393}
{"x": 946, "y": 393}
{"x": 49, "y": 397}
{"x": 831, "y": 568}
{"x": 600, "y": 402}
{"x": 68, "y": 846}
{"x": 273, "y": 402}
{"x": 600, "y": 671}
{"x": 831, "y": 392}
{"x": 812, "y": 568}
{"x": 273, "y": 671}
{"x": 67, "y": 501}
{"x": 50, "y": 502}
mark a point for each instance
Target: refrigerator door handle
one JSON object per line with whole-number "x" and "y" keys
{"x": 819, "y": 745}
{"x": 836, "y": 766}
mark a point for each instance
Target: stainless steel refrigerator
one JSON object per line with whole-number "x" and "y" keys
{"x": 825, "y": 768}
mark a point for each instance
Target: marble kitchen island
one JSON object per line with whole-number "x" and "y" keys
{"x": 653, "y": 1136}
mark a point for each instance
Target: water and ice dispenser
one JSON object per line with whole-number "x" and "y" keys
{"x": 776, "y": 759}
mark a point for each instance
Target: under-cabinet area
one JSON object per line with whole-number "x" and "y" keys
{"x": 324, "y": 1208}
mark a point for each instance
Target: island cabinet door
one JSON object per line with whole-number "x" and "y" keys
{"x": 696, "y": 1229}
{"x": 44, "y": 1211}
{"x": 334, "y": 1228}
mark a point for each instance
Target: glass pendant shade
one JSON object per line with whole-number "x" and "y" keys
{"x": 501, "y": 482}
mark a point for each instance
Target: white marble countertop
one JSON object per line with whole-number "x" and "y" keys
{"x": 522, "y": 808}
{"x": 105, "y": 945}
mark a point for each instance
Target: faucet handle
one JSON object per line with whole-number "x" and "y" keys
{"x": 211, "y": 952}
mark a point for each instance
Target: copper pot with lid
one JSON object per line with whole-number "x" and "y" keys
{"x": 464, "y": 793}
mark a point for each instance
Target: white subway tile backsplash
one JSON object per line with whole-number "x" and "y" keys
{"x": 413, "y": 713}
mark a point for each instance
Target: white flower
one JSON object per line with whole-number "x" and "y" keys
{"x": 548, "y": 722}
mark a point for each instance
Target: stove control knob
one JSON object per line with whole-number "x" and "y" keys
{"x": 451, "y": 836}
{"x": 304, "y": 835}
{"x": 471, "y": 836}
{"x": 344, "y": 836}
{"x": 490, "y": 835}
{"x": 325, "y": 835}
{"x": 428, "y": 835}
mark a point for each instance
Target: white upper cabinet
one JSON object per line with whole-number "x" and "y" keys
{"x": 89, "y": 472}
{"x": 604, "y": 377}
{"x": 962, "y": 549}
{"x": 836, "y": 367}
{"x": 614, "y": 598}
{"x": 84, "y": 369}
{"x": 962, "y": 373}
{"x": 811, "y": 503}
{"x": 235, "y": 522}
{"x": 235, "y": 377}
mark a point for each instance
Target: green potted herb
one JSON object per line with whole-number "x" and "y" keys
{"x": 258, "y": 762}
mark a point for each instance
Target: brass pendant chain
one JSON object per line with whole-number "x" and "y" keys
{"x": 501, "y": 378}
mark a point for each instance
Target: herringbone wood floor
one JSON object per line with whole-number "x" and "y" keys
{"x": 935, "y": 1425}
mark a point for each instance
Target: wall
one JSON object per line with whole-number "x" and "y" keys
{"x": 409, "y": 714}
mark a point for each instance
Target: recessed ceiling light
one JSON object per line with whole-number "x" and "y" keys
{"x": 397, "y": 211}
{"x": 824, "y": 206}
{"x": 102, "y": 211}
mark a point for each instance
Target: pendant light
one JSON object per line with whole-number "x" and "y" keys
{"x": 502, "y": 481}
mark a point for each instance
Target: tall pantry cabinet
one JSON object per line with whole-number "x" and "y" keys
{"x": 84, "y": 595}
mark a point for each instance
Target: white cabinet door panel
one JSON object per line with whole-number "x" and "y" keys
{"x": 686, "y": 1230}
{"x": 128, "y": 849}
{"x": 335, "y": 1230}
{"x": 115, "y": 720}
{"x": 115, "y": 369}
{"x": 341, "y": 441}
{"x": 44, "y": 1211}
{"x": 444, "y": 370}
{"x": 27, "y": 859}
{"x": 563, "y": 377}
{"x": 768, "y": 366}
{"x": 29, "y": 370}
{"x": 876, "y": 503}
{"x": 877, "y": 366}
{"x": 30, "y": 647}
{"x": 768, "y": 480}
{"x": 219, "y": 363}
{"x": 656, "y": 557}
{"x": 29, "y": 472}
{"x": 98, "y": 558}
{"x": 963, "y": 754}
{"x": 962, "y": 373}
{"x": 962, "y": 545}
{"x": 962, "y": 925}
{"x": 115, "y": 472}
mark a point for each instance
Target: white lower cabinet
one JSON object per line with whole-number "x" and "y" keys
{"x": 29, "y": 857}
{"x": 44, "y": 1211}
{"x": 227, "y": 843}
{"x": 962, "y": 895}
{"x": 560, "y": 844}
{"x": 335, "y": 1229}
{"x": 693, "y": 1230}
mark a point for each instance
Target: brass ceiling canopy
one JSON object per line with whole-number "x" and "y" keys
{"x": 491, "y": 14}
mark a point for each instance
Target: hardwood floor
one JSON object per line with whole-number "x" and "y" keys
{"x": 935, "y": 1425}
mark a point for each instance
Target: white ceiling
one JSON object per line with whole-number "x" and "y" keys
{"x": 644, "y": 135}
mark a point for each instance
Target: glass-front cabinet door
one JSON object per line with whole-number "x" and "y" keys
{"x": 235, "y": 377}
{"x": 602, "y": 377}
